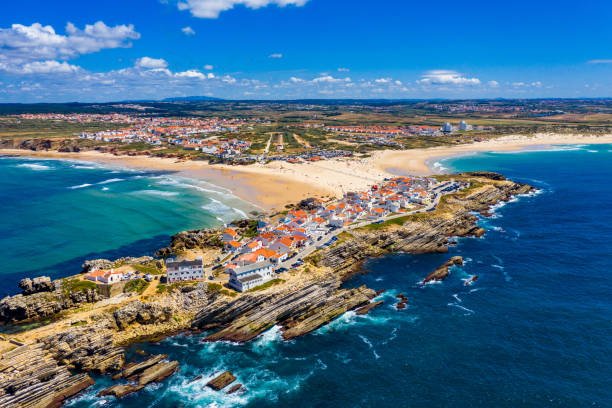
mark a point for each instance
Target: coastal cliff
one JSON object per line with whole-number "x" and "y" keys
{"x": 304, "y": 300}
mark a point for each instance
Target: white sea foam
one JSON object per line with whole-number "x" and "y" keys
{"x": 498, "y": 267}
{"x": 370, "y": 345}
{"x": 35, "y": 166}
{"x": 267, "y": 340}
{"x": 439, "y": 167}
{"x": 159, "y": 193}
{"x": 105, "y": 189}
{"x": 469, "y": 311}
{"x": 111, "y": 180}
{"x": 392, "y": 337}
{"x": 85, "y": 167}
{"x": 456, "y": 296}
{"x": 80, "y": 186}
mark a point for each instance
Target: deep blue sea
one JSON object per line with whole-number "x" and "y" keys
{"x": 535, "y": 330}
{"x": 54, "y": 214}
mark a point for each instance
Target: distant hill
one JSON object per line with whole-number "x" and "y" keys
{"x": 191, "y": 99}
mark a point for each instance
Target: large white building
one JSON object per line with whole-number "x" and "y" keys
{"x": 243, "y": 278}
{"x": 447, "y": 127}
{"x": 464, "y": 127}
{"x": 184, "y": 270}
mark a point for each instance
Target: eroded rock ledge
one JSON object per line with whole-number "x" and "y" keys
{"x": 298, "y": 306}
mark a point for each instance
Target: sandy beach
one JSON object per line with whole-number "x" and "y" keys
{"x": 273, "y": 185}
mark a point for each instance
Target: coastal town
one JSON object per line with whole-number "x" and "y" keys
{"x": 273, "y": 248}
{"x": 236, "y": 140}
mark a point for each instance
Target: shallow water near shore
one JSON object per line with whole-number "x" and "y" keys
{"x": 56, "y": 213}
{"x": 534, "y": 330}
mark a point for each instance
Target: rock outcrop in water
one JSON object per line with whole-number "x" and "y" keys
{"x": 297, "y": 309}
{"x": 35, "y": 285}
{"x": 154, "y": 369}
{"x": 221, "y": 381}
{"x": 442, "y": 271}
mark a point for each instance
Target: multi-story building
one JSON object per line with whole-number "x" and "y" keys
{"x": 243, "y": 278}
{"x": 184, "y": 270}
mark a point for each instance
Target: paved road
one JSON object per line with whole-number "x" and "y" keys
{"x": 325, "y": 238}
{"x": 309, "y": 249}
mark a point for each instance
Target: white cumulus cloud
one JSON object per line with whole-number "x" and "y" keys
{"x": 208, "y": 67}
{"x": 493, "y": 84}
{"x": 151, "y": 63}
{"x": 48, "y": 67}
{"x": 188, "y": 31}
{"x": 275, "y": 55}
{"x": 212, "y": 8}
{"x": 330, "y": 79}
{"x": 191, "y": 73}
{"x": 446, "y": 77}
{"x": 21, "y": 45}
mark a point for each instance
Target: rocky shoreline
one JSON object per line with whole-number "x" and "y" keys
{"x": 304, "y": 303}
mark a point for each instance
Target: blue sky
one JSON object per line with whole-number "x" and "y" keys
{"x": 273, "y": 49}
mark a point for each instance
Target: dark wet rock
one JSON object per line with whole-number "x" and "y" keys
{"x": 194, "y": 379}
{"x": 471, "y": 280}
{"x": 120, "y": 390}
{"x": 233, "y": 389}
{"x": 136, "y": 368}
{"x": 221, "y": 381}
{"x": 158, "y": 372}
{"x": 365, "y": 309}
{"x": 443, "y": 270}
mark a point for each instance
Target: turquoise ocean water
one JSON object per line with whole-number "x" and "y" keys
{"x": 535, "y": 330}
{"x": 54, "y": 214}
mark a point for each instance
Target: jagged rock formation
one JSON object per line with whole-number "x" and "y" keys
{"x": 442, "y": 271}
{"x": 200, "y": 238}
{"x": 154, "y": 369}
{"x": 221, "y": 381}
{"x": 95, "y": 264}
{"x": 422, "y": 232}
{"x": 40, "y": 284}
{"x": 142, "y": 313}
{"x": 365, "y": 309}
{"x": 29, "y": 378}
{"x": 298, "y": 310}
{"x": 43, "y": 304}
{"x": 87, "y": 348}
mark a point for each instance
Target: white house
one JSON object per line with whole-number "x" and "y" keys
{"x": 108, "y": 277}
{"x": 243, "y": 278}
{"x": 184, "y": 270}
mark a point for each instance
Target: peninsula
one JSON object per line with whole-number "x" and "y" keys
{"x": 56, "y": 332}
